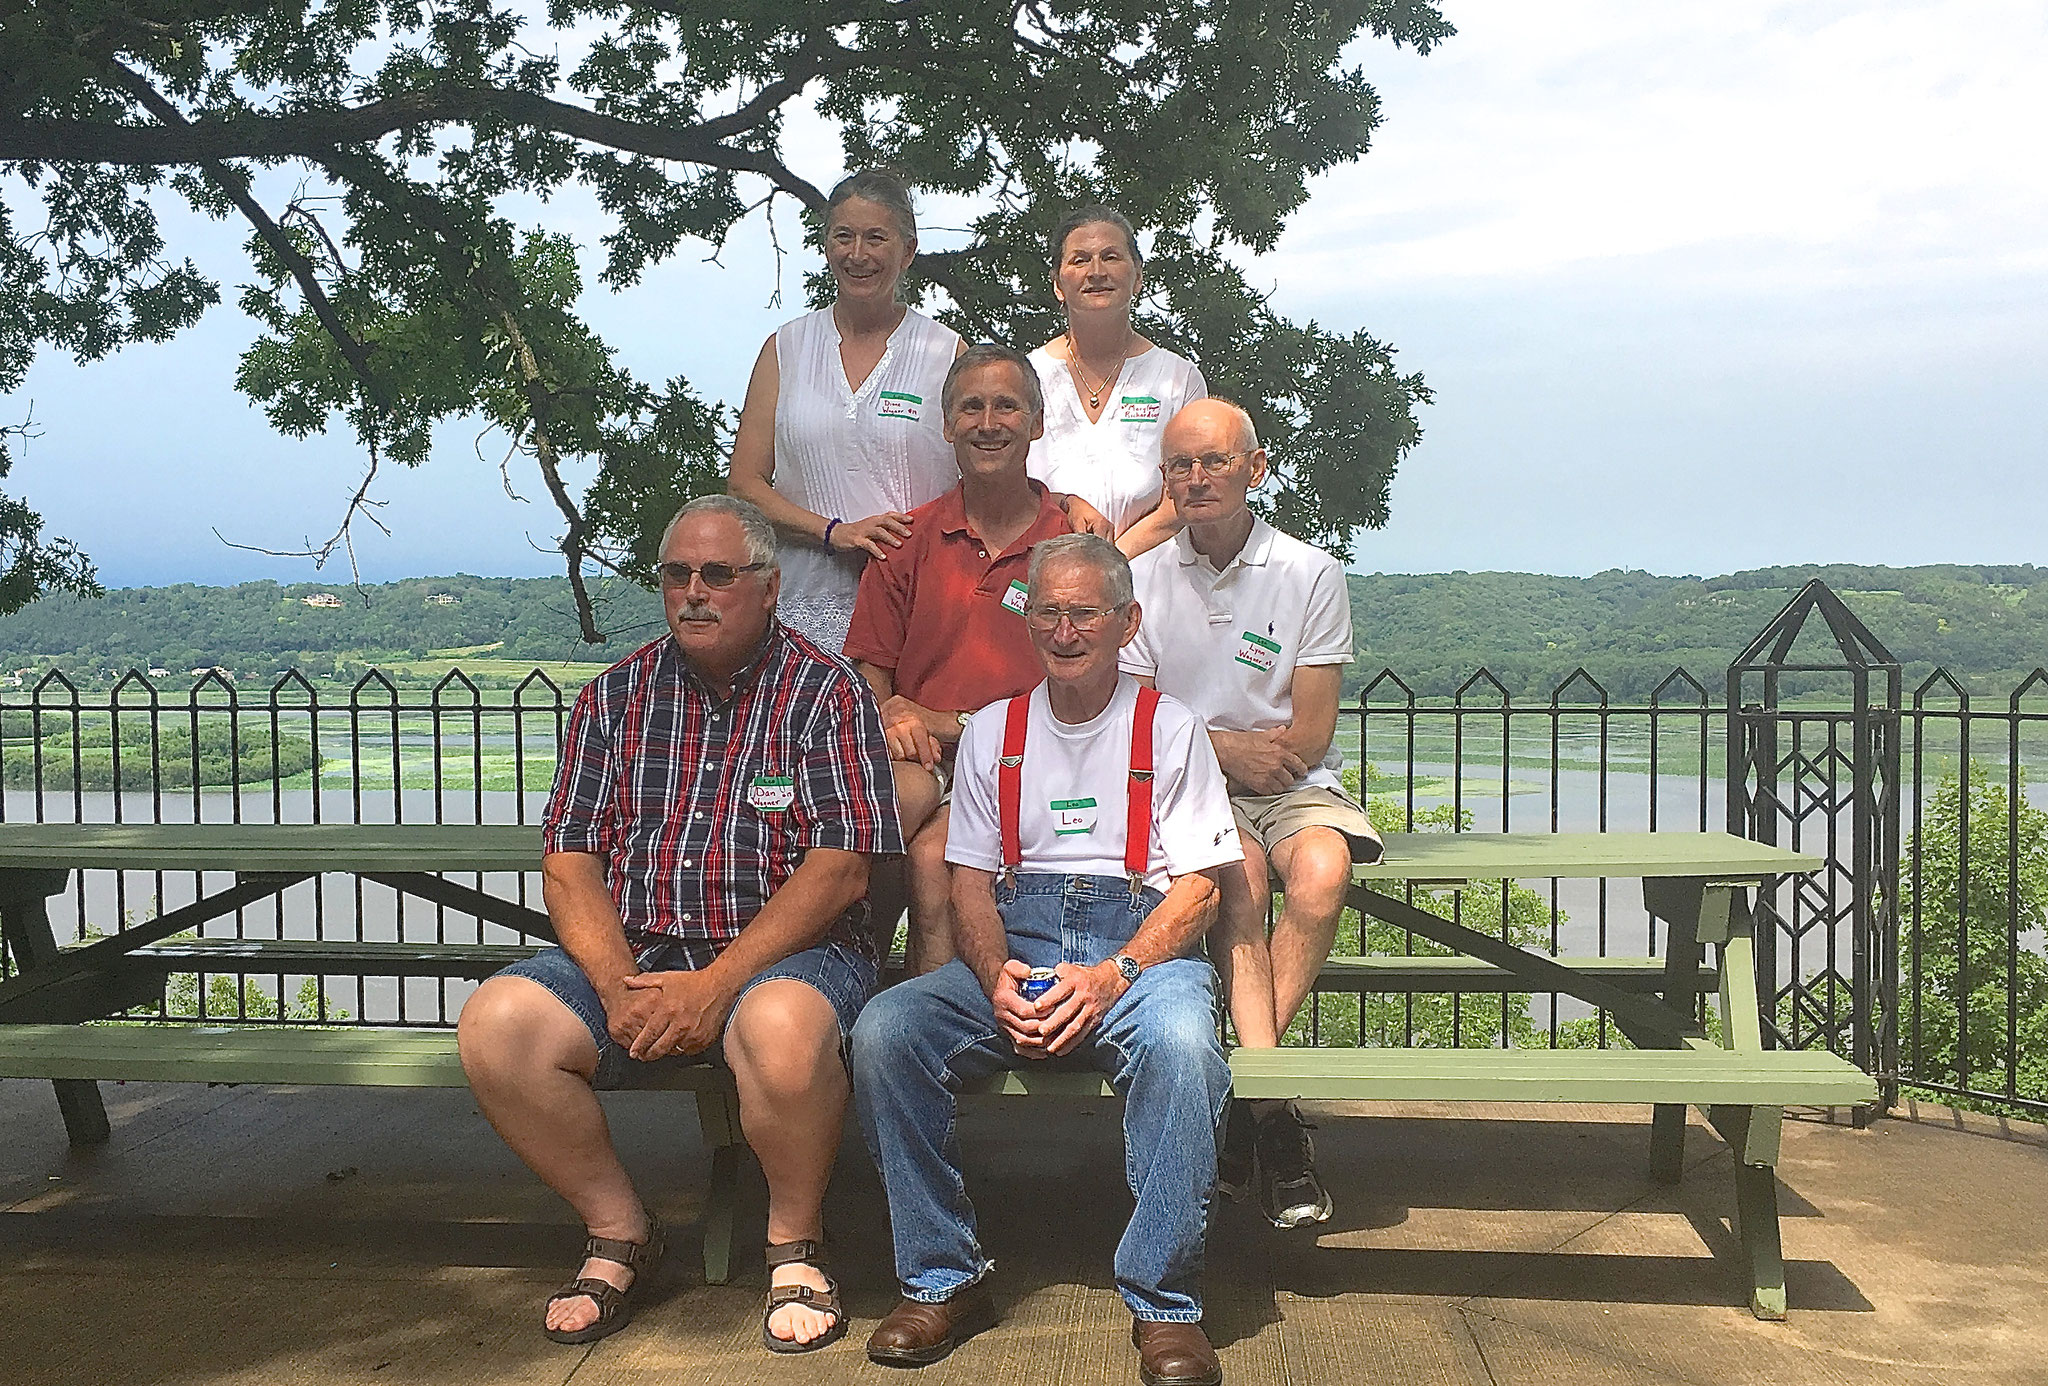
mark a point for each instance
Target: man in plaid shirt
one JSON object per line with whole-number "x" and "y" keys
{"x": 720, "y": 793}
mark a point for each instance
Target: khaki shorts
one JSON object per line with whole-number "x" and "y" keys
{"x": 1271, "y": 818}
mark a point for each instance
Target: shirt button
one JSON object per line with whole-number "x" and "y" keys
{"x": 686, "y": 919}
{"x": 700, "y": 813}
{"x": 688, "y": 862}
{"x": 982, "y": 554}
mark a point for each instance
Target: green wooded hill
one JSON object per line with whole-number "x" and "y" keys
{"x": 1988, "y": 625}
{"x": 263, "y": 628}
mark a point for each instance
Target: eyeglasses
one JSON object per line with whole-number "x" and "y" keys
{"x": 1082, "y": 618}
{"x": 1211, "y": 463}
{"x": 714, "y": 574}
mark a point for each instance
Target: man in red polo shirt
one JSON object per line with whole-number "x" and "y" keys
{"x": 938, "y": 625}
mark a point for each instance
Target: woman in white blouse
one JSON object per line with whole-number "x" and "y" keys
{"x": 1108, "y": 391}
{"x": 839, "y": 438}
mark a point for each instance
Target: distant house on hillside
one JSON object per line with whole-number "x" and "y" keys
{"x": 321, "y": 599}
{"x": 221, "y": 669}
{"x": 443, "y": 599}
{"x": 157, "y": 671}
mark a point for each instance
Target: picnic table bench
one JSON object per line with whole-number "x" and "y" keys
{"x": 1696, "y": 883}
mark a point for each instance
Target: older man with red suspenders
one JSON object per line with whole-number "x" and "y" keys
{"x": 1090, "y": 824}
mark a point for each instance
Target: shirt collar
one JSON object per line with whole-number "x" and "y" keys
{"x": 1258, "y": 547}
{"x": 950, "y": 510}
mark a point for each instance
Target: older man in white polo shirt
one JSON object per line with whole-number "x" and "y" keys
{"x": 1252, "y": 629}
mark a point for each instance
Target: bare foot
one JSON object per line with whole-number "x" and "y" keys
{"x": 574, "y": 1313}
{"x": 796, "y": 1323}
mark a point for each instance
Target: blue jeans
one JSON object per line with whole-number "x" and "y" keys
{"x": 917, "y": 1042}
{"x": 842, "y": 976}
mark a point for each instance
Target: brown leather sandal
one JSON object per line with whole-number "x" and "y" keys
{"x": 614, "y": 1305}
{"x": 825, "y": 1302}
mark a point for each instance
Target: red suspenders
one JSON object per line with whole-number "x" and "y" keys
{"x": 1138, "y": 814}
{"x": 1138, "y": 796}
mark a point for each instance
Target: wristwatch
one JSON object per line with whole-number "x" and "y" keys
{"x": 1128, "y": 966}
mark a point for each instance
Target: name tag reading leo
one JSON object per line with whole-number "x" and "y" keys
{"x": 772, "y": 793}
{"x": 1070, "y": 816}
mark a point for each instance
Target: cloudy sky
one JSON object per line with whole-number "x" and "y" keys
{"x": 1699, "y": 288}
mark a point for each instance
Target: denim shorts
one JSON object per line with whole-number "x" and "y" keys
{"x": 838, "y": 973}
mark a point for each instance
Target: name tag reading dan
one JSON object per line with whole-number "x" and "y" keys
{"x": 1257, "y": 652}
{"x": 895, "y": 404}
{"x": 1070, "y": 816}
{"x": 772, "y": 793}
{"x": 1015, "y": 596}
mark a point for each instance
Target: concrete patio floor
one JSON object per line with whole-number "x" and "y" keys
{"x": 377, "y": 1236}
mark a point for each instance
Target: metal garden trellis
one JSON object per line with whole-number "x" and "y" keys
{"x": 1790, "y": 777}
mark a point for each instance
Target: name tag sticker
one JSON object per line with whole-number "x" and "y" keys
{"x": 1257, "y": 652}
{"x": 772, "y": 793}
{"x": 1070, "y": 816}
{"x": 897, "y": 405}
{"x": 1137, "y": 409}
{"x": 1015, "y": 596}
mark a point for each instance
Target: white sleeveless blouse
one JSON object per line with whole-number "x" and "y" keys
{"x": 1113, "y": 461}
{"x": 849, "y": 454}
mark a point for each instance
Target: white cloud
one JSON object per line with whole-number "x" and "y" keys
{"x": 1896, "y": 138}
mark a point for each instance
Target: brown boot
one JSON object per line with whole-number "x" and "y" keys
{"x": 1174, "y": 1354}
{"x": 917, "y": 1334}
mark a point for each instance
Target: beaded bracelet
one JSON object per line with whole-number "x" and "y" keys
{"x": 826, "y": 540}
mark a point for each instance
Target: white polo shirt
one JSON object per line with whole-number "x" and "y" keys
{"x": 1227, "y": 644}
{"x": 1075, "y": 783}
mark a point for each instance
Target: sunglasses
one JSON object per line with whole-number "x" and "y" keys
{"x": 714, "y": 574}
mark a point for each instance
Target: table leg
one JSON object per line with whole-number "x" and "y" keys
{"x": 1680, "y": 903}
{"x": 718, "y": 1117}
{"x": 1753, "y": 1133}
{"x": 1756, "y": 1225}
{"x": 25, "y": 918}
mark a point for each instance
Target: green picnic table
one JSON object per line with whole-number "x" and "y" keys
{"x": 1697, "y": 883}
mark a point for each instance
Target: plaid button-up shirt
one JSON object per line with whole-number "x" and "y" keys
{"x": 702, "y": 808}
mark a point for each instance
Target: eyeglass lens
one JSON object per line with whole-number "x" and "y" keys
{"x": 714, "y": 574}
{"x": 1081, "y": 617}
{"x": 1211, "y": 463}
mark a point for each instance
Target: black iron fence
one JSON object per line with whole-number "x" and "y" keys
{"x": 1918, "y": 950}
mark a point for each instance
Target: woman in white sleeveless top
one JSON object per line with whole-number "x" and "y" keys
{"x": 1108, "y": 391}
{"x": 840, "y": 434}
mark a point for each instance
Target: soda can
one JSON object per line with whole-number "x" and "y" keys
{"x": 1037, "y": 984}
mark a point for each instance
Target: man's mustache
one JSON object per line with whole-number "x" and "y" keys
{"x": 698, "y": 611}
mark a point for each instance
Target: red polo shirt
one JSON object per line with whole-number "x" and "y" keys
{"x": 941, "y": 611}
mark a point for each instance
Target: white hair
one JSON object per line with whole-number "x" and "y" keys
{"x": 1090, "y": 549}
{"x": 760, "y": 535}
